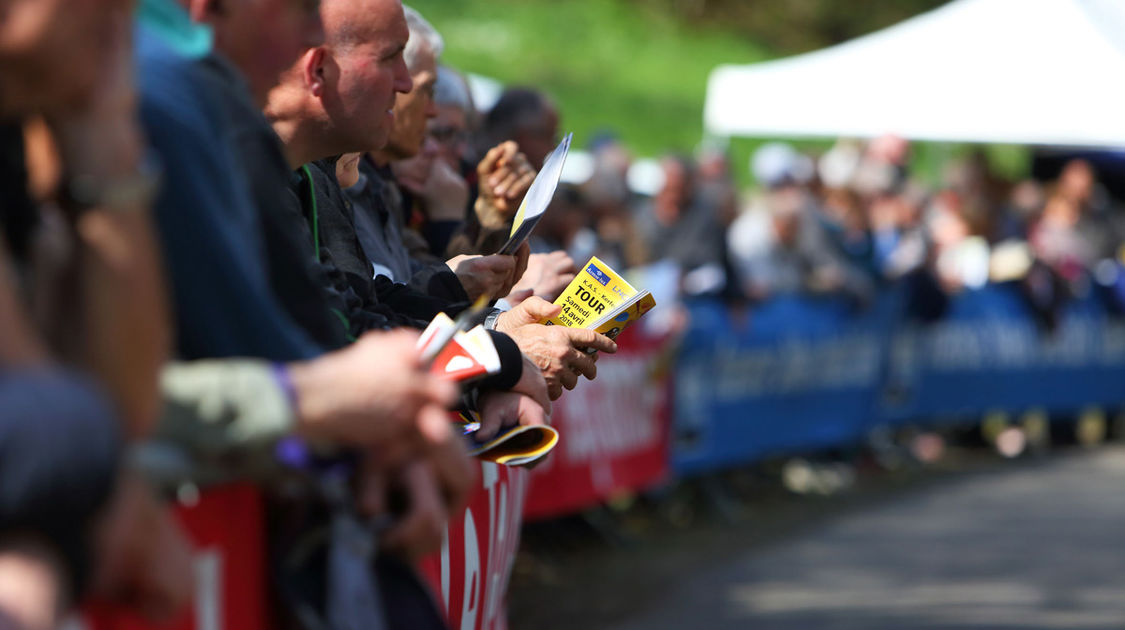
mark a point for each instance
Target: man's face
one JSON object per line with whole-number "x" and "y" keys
{"x": 54, "y": 53}
{"x": 414, "y": 108}
{"x": 264, "y": 37}
{"x": 366, "y": 39}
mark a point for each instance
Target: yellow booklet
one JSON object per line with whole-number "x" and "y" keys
{"x": 514, "y": 446}
{"x": 600, "y": 299}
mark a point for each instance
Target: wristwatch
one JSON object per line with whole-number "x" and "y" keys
{"x": 80, "y": 192}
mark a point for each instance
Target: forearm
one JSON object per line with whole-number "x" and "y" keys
{"x": 122, "y": 307}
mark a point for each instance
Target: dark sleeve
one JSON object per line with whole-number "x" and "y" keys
{"x": 59, "y": 448}
{"x": 208, "y": 232}
{"x": 296, "y": 279}
{"x": 438, "y": 281}
{"x": 439, "y": 233}
{"x": 371, "y": 302}
{"x": 511, "y": 364}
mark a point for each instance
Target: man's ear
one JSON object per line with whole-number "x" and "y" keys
{"x": 314, "y": 63}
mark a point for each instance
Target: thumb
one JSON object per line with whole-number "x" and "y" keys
{"x": 487, "y": 164}
{"x": 537, "y": 309}
{"x": 518, "y": 296}
{"x": 499, "y": 263}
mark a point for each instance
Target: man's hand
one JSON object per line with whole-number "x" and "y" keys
{"x": 443, "y": 192}
{"x": 420, "y": 493}
{"x": 504, "y": 175}
{"x": 491, "y": 276}
{"x": 142, "y": 559}
{"x": 533, "y": 385}
{"x": 372, "y": 392}
{"x": 446, "y": 194}
{"x": 548, "y": 275}
{"x": 503, "y": 410}
{"x": 559, "y": 352}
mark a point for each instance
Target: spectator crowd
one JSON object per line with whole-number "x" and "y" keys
{"x": 226, "y": 222}
{"x": 850, "y": 222}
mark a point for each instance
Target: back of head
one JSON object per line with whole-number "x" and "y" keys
{"x": 516, "y": 109}
{"x": 526, "y": 116}
{"x": 451, "y": 89}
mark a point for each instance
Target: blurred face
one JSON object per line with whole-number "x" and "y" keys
{"x": 414, "y": 108}
{"x": 674, "y": 191}
{"x": 450, "y": 130}
{"x": 53, "y": 52}
{"x": 364, "y": 70}
{"x": 1077, "y": 181}
{"x": 538, "y": 140}
{"x": 263, "y": 37}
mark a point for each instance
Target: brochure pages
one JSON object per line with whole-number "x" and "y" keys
{"x": 538, "y": 197}
{"x": 600, "y": 299}
{"x": 457, "y": 355}
{"x": 516, "y": 446}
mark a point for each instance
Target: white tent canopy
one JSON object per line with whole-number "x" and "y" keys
{"x": 1044, "y": 72}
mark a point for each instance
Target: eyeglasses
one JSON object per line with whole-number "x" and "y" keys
{"x": 448, "y": 134}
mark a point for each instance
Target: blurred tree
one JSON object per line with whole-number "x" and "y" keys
{"x": 794, "y": 26}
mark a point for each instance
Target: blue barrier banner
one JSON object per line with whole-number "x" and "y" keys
{"x": 793, "y": 374}
{"x": 989, "y": 353}
{"x": 797, "y": 374}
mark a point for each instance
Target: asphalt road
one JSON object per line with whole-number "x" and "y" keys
{"x": 1038, "y": 546}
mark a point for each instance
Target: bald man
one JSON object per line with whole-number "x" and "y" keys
{"x": 339, "y": 98}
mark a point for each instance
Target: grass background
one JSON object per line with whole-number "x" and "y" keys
{"x": 637, "y": 68}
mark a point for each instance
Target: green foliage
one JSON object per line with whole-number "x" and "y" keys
{"x": 640, "y": 67}
{"x": 794, "y": 26}
{"x": 642, "y": 73}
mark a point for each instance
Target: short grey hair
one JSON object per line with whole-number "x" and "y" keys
{"x": 422, "y": 35}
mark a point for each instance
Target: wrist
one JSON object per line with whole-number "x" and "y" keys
{"x": 99, "y": 146}
{"x": 298, "y": 382}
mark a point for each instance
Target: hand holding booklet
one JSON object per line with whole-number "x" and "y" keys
{"x": 463, "y": 356}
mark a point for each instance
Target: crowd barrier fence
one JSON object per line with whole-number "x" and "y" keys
{"x": 792, "y": 375}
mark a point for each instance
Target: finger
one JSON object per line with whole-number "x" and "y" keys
{"x": 581, "y": 363}
{"x": 503, "y": 162}
{"x": 531, "y": 413}
{"x": 499, "y": 264}
{"x": 439, "y": 391}
{"x": 554, "y": 389}
{"x": 568, "y": 378}
{"x": 508, "y": 151}
{"x": 434, "y": 424}
{"x": 506, "y": 181}
{"x": 456, "y": 473}
{"x": 488, "y": 164}
{"x": 371, "y": 490}
{"x": 520, "y": 187}
{"x": 491, "y": 420}
{"x": 420, "y": 529}
{"x": 536, "y": 309}
{"x": 517, "y": 297}
{"x": 587, "y": 339}
{"x": 565, "y": 265}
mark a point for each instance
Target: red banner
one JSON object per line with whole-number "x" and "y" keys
{"x": 613, "y": 432}
{"x": 226, "y": 528}
{"x": 470, "y": 574}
